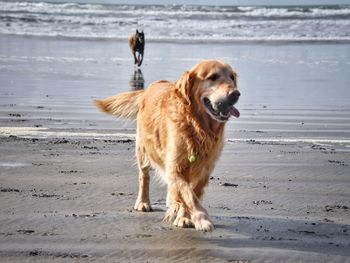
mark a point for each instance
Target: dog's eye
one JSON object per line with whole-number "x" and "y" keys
{"x": 232, "y": 77}
{"x": 214, "y": 77}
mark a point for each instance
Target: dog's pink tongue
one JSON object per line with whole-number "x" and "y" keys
{"x": 234, "y": 112}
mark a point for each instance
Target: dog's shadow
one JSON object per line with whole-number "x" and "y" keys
{"x": 137, "y": 81}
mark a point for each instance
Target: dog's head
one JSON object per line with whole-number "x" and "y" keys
{"x": 212, "y": 87}
{"x": 140, "y": 36}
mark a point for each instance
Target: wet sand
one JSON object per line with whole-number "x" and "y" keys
{"x": 68, "y": 179}
{"x": 72, "y": 198}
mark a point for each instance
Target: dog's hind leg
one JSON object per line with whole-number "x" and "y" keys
{"x": 143, "y": 202}
{"x": 135, "y": 58}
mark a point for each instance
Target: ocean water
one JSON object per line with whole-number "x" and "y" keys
{"x": 293, "y": 64}
{"x": 176, "y": 22}
{"x": 290, "y": 92}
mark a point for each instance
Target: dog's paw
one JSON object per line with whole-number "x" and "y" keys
{"x": 202, "y": 222}
{"x": 183, "y": 219}
{"x": 171, "y": 214}
{"x": 184, "y": 222}
{"x": 143, "y": 206}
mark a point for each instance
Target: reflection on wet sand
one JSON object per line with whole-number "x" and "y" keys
{"x": 137, "y": 81}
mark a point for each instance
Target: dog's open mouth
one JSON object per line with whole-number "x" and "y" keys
{"x": 221, "y": 115}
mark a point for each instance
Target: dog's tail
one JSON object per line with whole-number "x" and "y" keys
{"x": 123, "y": 105}
{"x": 132, "y": 42}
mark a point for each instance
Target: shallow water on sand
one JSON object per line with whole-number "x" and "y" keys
{"x": 288, "y": 91}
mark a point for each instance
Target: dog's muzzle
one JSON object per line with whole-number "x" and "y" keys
{"x": 223, "y": 109}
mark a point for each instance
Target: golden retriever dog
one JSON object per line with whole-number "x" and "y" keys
{"x": 180, "y": 128}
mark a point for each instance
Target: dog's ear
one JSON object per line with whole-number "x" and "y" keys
{"x": 184, "y": 85}
{"x": 137, "y": 31}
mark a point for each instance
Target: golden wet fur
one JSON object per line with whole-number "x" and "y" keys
{"x": 178, "y": 136}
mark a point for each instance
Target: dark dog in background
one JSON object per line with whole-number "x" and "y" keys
{"x": 137, "y": 45}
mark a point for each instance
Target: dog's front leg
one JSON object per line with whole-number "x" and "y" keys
{"x": 140, "y": 58}
{"x": 183, "y": 218}
{"x": 176, "y": 214}
{"x": 190, "y": 204}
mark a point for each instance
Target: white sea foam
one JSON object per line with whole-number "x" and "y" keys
{"x": 176, "y": 23}
{"x": 32, "y": 132}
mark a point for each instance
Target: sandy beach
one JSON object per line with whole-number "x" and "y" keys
{"x": 68, "y": 179}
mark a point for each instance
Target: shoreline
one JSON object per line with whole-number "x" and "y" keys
{"x": 248, "y": 42}
{"x": 92, "y": 133}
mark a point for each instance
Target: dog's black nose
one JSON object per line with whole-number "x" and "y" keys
{"x": 233, "y": 97}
